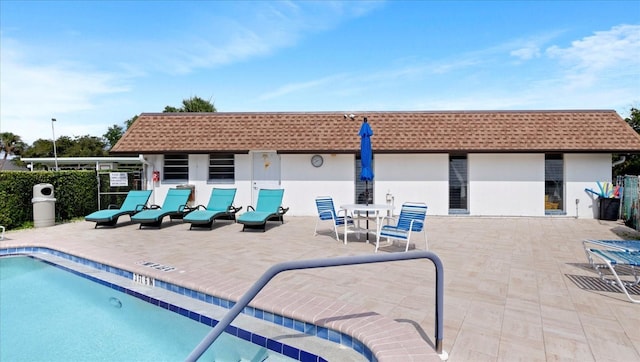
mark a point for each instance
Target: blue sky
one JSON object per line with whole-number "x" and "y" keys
{"x": 93, "y": 64}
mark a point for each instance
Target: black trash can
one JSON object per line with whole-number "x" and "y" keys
{"x": 609, "y": 208}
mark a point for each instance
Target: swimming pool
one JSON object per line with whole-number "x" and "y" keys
{"x": 298, "y": 340}
{"x": 49, "y": 314}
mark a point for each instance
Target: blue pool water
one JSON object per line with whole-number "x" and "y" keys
{"x": 48, "y": 314}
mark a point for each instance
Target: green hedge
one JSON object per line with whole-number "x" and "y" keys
{"x": 75, "y": 193}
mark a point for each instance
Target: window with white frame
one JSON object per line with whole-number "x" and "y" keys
{"x": 176, "y": 167}
{"x": 221, "y": 167}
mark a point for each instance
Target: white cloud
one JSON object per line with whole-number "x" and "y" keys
{"x": 301, "y": 86}
{"x": 527, "y": 48}
{"x": 570, "y": 78}
{"x": 265, "y": 29}
{"x": 608, "y": 48}
{"x": 34, "y": 88}
{"x": 243, "y": 43}
{"x": 598, "y": 71}
{"x": 31, "y": 94}
{"x": 611, "y": 53}
{"x": 526, "y": 53}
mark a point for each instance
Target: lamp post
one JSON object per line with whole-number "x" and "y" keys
{"x": 55, "y": 153}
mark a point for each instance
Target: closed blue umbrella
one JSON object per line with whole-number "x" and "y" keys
{"x": 366, "y": 155}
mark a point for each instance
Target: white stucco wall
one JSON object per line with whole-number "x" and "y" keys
{"x": 506, "y": 184}
{"x": 582, "y": 171}
{"x": 413, "y": 177}
{"x": 198, "y": 175}
{"x": 499, "y": 184}
{"x": 303, "y": 182}
{"x": 242, "y": 182}
{"x": 153, "y": 162}
{"x": 513, "y": 184}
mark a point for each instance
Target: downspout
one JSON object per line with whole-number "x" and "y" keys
{"x": 621, "y": 160}
{"x": 145, "y": 163}
{"x": 614, "y": 164}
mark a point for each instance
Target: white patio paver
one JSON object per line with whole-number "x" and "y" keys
{"x": 511, "y": 289}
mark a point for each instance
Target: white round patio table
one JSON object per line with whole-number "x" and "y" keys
{"x": 376, "y": 211}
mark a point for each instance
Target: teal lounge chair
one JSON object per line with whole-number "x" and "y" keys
{"x": 220, "y": 206}
{"x": 135, "y": 202}
{"x": 175, "y": 204}
{"x": 268, "y": 208}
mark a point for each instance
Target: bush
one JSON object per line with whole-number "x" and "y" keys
{"x": 75, "y": 193}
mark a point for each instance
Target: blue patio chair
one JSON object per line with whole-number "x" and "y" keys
{"x": 411, "y": 219}
{"x": 613, "y": 254}
{"x": 175, "y": 204}
{"x": 327, "y": 212}
{"x": 613, "y": 258}
{"x": 623, "y": 245}
{"x": 269, "y": 207}
{"x": 135, "y": 202}
{"x": 220, "y": 206}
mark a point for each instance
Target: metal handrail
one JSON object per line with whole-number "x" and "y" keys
{"x": 321, "y": 263}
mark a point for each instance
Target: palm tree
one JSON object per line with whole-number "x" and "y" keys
{"x": 11, "y": 145}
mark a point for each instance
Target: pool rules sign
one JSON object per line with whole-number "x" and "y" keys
{"x": 118, "y": 179}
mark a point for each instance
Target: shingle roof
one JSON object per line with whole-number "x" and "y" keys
{"x": 330, "y": 132}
